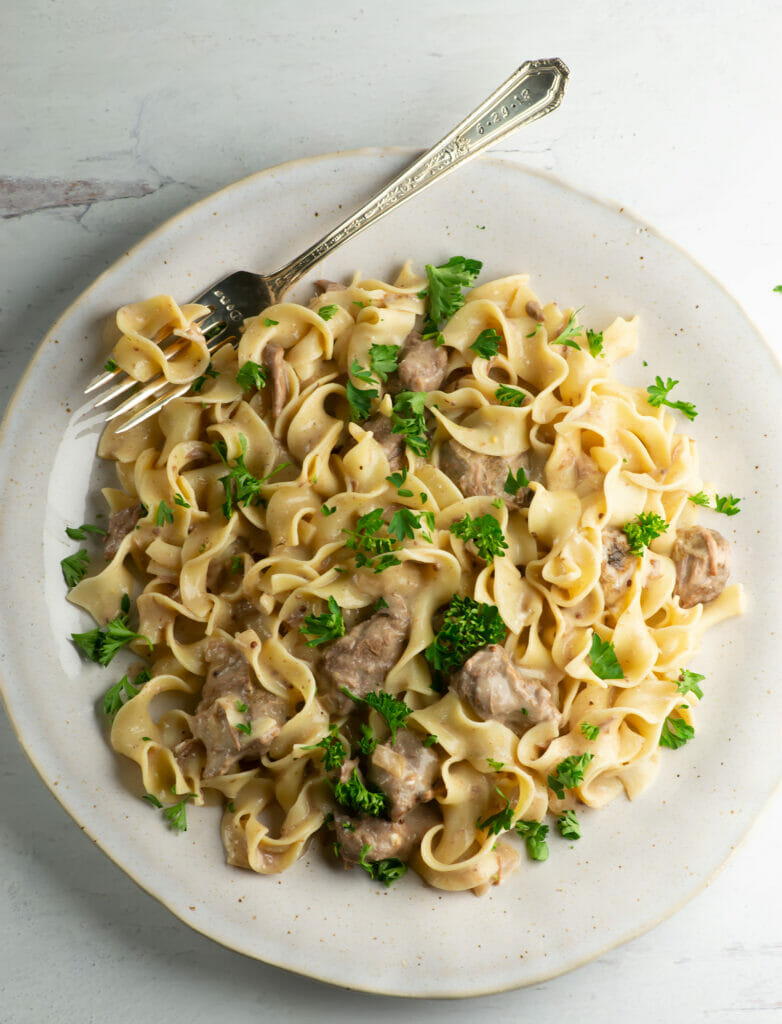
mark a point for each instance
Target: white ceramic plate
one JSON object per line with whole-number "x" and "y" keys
{"x": 636, "y": 862}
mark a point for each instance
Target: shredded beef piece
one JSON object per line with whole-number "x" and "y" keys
{"x": 274, "y": 360}
{"x": 619, "y": 565}
{"x": 422, "y": 364}
{"x": 405, "y": 771}
{"x": 120, "y": 525}
{"x": 477, "y": 474}
{"x": 384, "y": 838}
{"x": 702, "y": 560}
{"x": 496, "y": 689}
{"x": 393, "y": 445}
{"x": 217, "y": 715}
{"x": 361, "y": 659}
{"x": 323, "y": 285}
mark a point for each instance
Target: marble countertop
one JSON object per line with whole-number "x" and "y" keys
{"x": 119, "y": 118}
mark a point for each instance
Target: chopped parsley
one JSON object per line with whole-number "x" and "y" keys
{"x": 354, "y": 796}
{"x": 103, "y": 642}
{"x": 644, "y": 529}
{"x": 360, "y": 399}
{"x": 534, "y": 835}
{"x": 430, "y": 740}
{"x": 334, "y": 752}
{"x": 487, "y": 344}
{"x": 237, "y": 563}
{"x": 569, "y": 827}
{"x": 675, "y": 733}
{"x": 176, "y": 815}
{"x": 327, "y": 312}
{"x": 777, "y": 288}
{"x": 404, "y": 522}
{"x": 244, "y": 727}
{"x": 152, "y": 800}
{"x": 408, "y": 420}
{"x": 392, "y": 709}
{"x": 367, "y": 741}
{"x": 198, "y": 384}
{"x": 179, "y": 499}
{"x": 496, "y": 766}
{"x": 445, "y": 288}
{"x": 239, "y": 485}
{"x": 688, "y": 682}
{"x": 568, "y": 333}
{"x": 372, "y": 550}
{"x": 383, "y": 360}
{"x": 485, "y": 533}
{"x": 164, "y": 514}
{"x": 595, "y": 342}
{"x": 603, "y": 659}
{"x": 118, "y": 694}
{"x": 324, "y": 628}
{"x": 398, "y": 480}
{"x": 75, "y": 567}
{"x": 110, "y": 365}
{"x": 268, "y": 322}
{"x": 507, "y": 395}
{"x": 80, "y": 532}
{"x": 328, "y": 510}
{"x": 658, "y": 395}
{"x": 494, "y": 824}
{"x": 252, "y": 375}
{"x": 467, "y": 626}
{"x": 701, "y": 498}
{"x": 728, "y": 505}
{"x": 590, "y": 731}
{"x": 387, "y": 871}
{"x": 514, "y": 483}
{"x": 569, "y": 773}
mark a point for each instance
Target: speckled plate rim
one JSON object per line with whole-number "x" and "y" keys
{"x": 69, "y": 804}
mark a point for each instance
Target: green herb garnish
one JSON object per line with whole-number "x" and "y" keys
{"x": 324, "y": 628}
{"x": 75, "y": 567}
{"x": 534, "y": 835}
{"x": 485, "y": 533}
{"x": 467, "y": 626}
{"x": 252, "y": 375}
{"x": 603, "y": 659}
{"x": 658, "y": 395}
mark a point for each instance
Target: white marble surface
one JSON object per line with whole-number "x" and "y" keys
{"x": 117, "y": 117}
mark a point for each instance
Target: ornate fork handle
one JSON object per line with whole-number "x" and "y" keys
{"x": 532, "y": 91}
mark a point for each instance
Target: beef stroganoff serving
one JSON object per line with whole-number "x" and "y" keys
{"x": 410, "y": 570}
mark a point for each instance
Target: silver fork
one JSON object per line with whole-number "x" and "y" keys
{"x": 532, "y": 91}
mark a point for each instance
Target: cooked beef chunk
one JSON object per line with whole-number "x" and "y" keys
{"x": 274, "y": 359}
{"x": 495, "y": 689}
{"x": 534, "y": 310}
{"x": 120, "y": 524}
{"x": 384, "y": 838}
{"x": 393, "y": 445}
{"x": 619, "y": 564}
{"x": 405, "y": 771}
{"x": 324, "y": 285}
{"x": 422, "y": 364}
{"x": 227, "y": 688}
{"x": 482, "y": 474}
{"x": 361, "y": 659}
{"x": 702, "y": 560}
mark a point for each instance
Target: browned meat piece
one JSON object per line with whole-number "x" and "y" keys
{"x": 482, "y": 474}
{"x": 384, "y": 838}
{"x": 422, "y": 364}
{"x": 120, "y": 524}
{"x": 495, "y": 689}
{"x": 324, "y": 285}
{"x": 702, "y": 560}
{"x": 405, "y": 771}
{"x": 226, "y": 692}
{"x": 534, "y": 310}
{"x": 619, "y": 564}
{"x": 274, "y": 359}
{"x": 361, "y": 659}
{"x": 393, "y": 445}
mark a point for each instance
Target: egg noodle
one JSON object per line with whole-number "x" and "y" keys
{"x": 248, "y": 561}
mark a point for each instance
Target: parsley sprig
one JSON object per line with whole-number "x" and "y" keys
{"x": 591, "y": 732}
{"x": 643, "y": 530}
{"x": 675, "y": 733}
{"x": 372, "y": 549}
{"x": 80, "y": 532}
{"x": 658, "y": 395}
{"x": 354, "y": 796}
{"x": 513, "y": 484}
{"x": 407, "y": 419}
{"x": 123, "y": 691}
{"x": 467, "y": 626}
{"x": 239, "y": 485}
{"x": 445, "y": 290}
{"x": 569, "y": 773}
{"x": 252, "y": 376}
{"x": 569, "y": 333}
{"x": 392, "y": 709}
{"x": 727, "y": 504}
{"x": 387, "y": 871}
{"x": 334, "y": 752}
{"x": 485, "y": 533}
{"x": 75, "y": 567}
{"x": 487, "y": 344}
{"x": 326, "y": 627}
{"x": 603, "y": 659}
{"x": 568, "y": 825}
{"x": 360, "y": 399}
{"x": 689, "y": 682}
{"x": 103, "y": 642}
{"x": 534, "y": 835}
{"x": 327, "y": 312}
{"x": 499, "y": 822}
{"x": 384, "y": 360}
{"x": 507, "y": 395}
